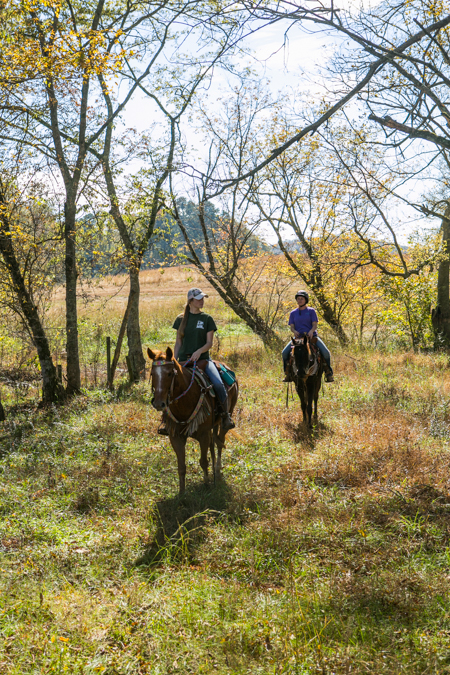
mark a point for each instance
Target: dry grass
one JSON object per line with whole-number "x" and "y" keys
{"x": 321, "y": 552}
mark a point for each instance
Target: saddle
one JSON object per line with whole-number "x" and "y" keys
{"x": 203, "y": 380}
{"x": 316, "y": 356}
{"x": 200, "y": 375}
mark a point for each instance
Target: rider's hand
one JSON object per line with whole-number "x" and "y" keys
{"x": 296, "y": 334}
{"x": 311, "y": 333}
{"x": 196, "y": 355}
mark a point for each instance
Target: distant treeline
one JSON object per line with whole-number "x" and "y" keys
{"x": 100, "y": 249}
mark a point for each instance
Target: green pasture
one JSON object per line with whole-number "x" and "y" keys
{"x": 323, "y": 552}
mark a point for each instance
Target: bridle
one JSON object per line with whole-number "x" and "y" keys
{"x": 162, "y": 363}
{"x": 301, "y": 342}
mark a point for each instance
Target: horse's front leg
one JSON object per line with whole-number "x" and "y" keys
{"x": 303, "y": 396}
{"x": 212, "y": 452}
{"x": 317, "y": 388}
{"x": 205, "y": 444}
{"x": 219, "y": 440}
{"x": 311, "y": 400}
{"x": 179, "y": 445}
{"x": 316, "y": 398}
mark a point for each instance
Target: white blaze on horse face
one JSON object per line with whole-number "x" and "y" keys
{"x": 161, "y": 384}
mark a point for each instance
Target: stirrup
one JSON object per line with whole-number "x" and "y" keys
{"x": 329, "y": 377}
{"x": 162, "y": 431}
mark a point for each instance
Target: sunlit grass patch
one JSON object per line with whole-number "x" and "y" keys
{"x": 322, "y": 551}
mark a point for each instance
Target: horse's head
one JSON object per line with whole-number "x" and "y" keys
{"x": 164, "y": 369}
{"x": 302, "y": 355}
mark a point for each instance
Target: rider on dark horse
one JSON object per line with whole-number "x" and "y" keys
{"x": 195, "y": 334}
{"x": 304, "y": 320}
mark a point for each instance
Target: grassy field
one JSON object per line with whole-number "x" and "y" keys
{"x": 322, "y": 552}
{"x": 101, "y": 305}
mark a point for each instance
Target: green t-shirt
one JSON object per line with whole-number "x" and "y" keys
{"x": 195, "y": 334}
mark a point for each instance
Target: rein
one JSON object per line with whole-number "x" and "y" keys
{"x": 183, "y": 393}
{"x": 200, "y": 403}
{"x": 296, "y": 377}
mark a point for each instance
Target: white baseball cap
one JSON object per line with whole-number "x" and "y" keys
{"x": 196, "y": 294}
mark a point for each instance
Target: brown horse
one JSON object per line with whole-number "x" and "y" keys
{"x": 190, "y": 412}
{"x": 307, "y": 371}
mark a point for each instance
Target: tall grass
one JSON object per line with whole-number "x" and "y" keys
{"x": 320, "y": 552}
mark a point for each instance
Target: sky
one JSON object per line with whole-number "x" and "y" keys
{"x": 285, "y": 61}
{"x": 296, "y": 61}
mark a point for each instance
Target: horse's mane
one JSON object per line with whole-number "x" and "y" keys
{"x": 179, "y": 369}
{"x": 302, "y": 341}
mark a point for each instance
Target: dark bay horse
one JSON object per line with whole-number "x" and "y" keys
{"x": 307, "y": 371}
{"x": 190, "y": 412}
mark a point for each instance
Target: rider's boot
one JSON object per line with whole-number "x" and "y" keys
{"x": 329, "y": 374}
{"x": 227, "y": 422}
{"x": 287, "y": 375}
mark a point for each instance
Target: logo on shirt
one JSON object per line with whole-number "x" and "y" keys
{"x": 200, "y": 324}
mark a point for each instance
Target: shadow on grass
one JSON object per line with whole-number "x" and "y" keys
{"x": 181, "y": 520}
{"x": 308, "y": 437}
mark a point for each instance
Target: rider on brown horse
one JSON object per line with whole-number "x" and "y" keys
{"x": 195, "y": 334}
{"x": 304, "y": 320}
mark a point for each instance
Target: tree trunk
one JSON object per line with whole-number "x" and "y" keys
{"x": 73, "y": 356}
{"x": 329, "y": 315}
{"x": 249, "y": 314}
{"x": 239, "y": 304}
{"x": 116, "y": 356}
{"x": 52, "y": 390}
{"x": 135, "y": 355}
{"x": 314, "y": 280}
{"x": 440, "y": 315}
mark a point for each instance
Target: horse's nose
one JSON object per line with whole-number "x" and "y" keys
{"x": 159, "y": 405}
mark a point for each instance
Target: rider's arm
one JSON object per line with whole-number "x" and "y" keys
{"x": 208, "y": 344}
{"x": 314, "y": 328}
{"x": 292, "y": 327}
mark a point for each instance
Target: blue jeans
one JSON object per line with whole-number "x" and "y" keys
{"x": 322, "y": 348}
{"x": 216, "y": 381}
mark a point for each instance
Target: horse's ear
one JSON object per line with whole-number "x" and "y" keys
{"x": 151, "y": 355}
{"x": 169, "y": 354}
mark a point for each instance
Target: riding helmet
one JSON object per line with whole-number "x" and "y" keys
{"x": 304, "y": 294}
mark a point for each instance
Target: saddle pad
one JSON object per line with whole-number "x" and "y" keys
{"x": 313, "y": 364}
{"x": 313, "y": 368}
